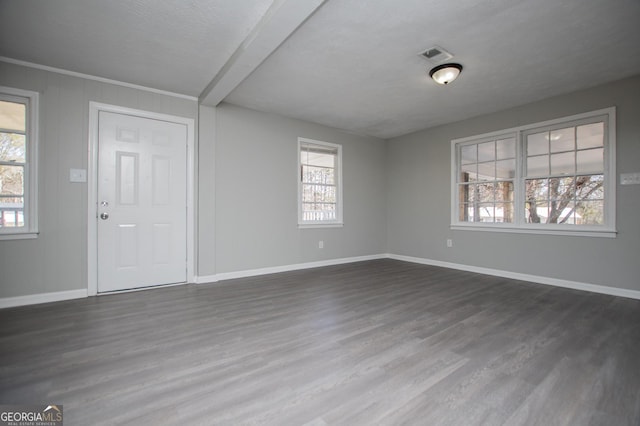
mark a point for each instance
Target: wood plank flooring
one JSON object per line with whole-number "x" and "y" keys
{"x": 379, "y": 342}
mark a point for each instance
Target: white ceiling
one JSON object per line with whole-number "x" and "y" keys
{"x": 171, "y": 45}
{"x": 350, "y": 64}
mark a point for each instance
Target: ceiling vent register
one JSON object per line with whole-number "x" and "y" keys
{"x": 436, "y": 55}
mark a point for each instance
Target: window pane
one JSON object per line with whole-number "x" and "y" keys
{"x": 468, "y": 173}
{"x": 560, "y": 211}
{"x": 537, "y": 189}
{"x": 328, "y": 193}
{"x": 504, "y": 212}
{"x": 318, "y": 193}
{"x": 11, "y": 180}
{"x": 590, "y": 135}
{"x": 318, "y": 211}
{"x": 486, "y": 151}
{"x": 469, "y": 154}
{"x": 318, "y": 206}
{"x": 562, "y": 139}
{"x": 485, "y": 192}
{"x": 591, "y": 161}
{"x": 536, "y": 212}
{"x": 467, "y": 193}
{"x": 538, "y": 143}
{"x": 590, "y": 212}
{"x": 538, "y": 166}
{"x": 506, "y": 169}
{"x": 590, "y": 187}
{"x": 467, "y": 213}
{"x": 13, "y": 116}
{"x": 312, "y": 174}
{"x": 504, "y": 191}
{"x": 506, "y": 148}
{"x": 561, "y": 188}
{"x": 462, "y": 213}
{"x": 310, "y": 206}
{"x": 321, "y": 158}
{"x": 487, "y": 171}
{"x": 568, "y": 214}
{"x": 563, "y": 164}
{"x": 487, "y": 213}
{"x": 12, "y": 147}
{"x": 11, "y": 212}
{"x": 329, "y": 206}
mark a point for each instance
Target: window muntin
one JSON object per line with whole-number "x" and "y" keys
{"x": 18, "y": 119}
{"x": 546, "y": 177}
{"x": 319, "y": 183}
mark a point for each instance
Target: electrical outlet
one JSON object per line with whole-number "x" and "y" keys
{"x": 320, "y": 244}
{"x": 449, "y": 242}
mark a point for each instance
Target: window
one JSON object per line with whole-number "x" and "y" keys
{"x": 487, "y": 173}
{"x": 18, "y": 144}
{"x": 551, "y": 177}
{"x": 319, "y": 184}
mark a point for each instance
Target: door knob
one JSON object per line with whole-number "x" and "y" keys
{"x": 104, "y": 216}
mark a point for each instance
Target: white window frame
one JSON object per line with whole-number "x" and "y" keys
{"x": 607, "y": 229}
{"x": 337, "y": 222}
{"x": 31, "y": 100}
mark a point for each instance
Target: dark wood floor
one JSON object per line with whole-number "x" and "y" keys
{"x": 379, "y": 342}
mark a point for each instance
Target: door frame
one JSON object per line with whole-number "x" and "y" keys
{"x": 92, "y": 186}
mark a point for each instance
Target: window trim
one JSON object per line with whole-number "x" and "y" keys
{"x": 608, "y": 229}
{"x": 31, "y": 164}
{"x": 338, "y": 222}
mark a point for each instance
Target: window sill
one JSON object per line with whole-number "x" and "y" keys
{"x": 320, "y": 225}
{"x": 591, "y": 232}
{"x": 19, "y": 236}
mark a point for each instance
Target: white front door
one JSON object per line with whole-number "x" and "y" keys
{"x": 142, "y": 202}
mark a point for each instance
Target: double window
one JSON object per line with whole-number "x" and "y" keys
{"x": 551, "y": 177}
{"x": 319, "y": 184}
{"x": 18, "y": 143}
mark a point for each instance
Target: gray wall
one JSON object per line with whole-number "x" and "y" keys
{"x": 396, "y": 193}
{"x": 206, "y": 200}
{"x": 419, "y": 198}
{"x": 57, "y": 259}
{"x": 255, "y": 190}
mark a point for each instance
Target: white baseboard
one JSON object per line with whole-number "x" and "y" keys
{"x": 34, "y": 299}
{"x": 203, "y": 279}
{"x": 613, "y": 291}
{"x": 284, "y": 268}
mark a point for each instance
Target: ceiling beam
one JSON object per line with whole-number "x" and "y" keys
{"x": 280, "y": 21}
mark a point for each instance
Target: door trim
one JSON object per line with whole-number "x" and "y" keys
{"x": 92, "y": 186}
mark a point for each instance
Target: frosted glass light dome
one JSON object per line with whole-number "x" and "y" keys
{"x": 445, "y": 73}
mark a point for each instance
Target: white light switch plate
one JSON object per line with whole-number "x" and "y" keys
{"x": 77, "y": 175}
{"x": 630, "y": 179}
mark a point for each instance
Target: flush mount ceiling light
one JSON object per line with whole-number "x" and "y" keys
{"x": 445, "y": 73}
